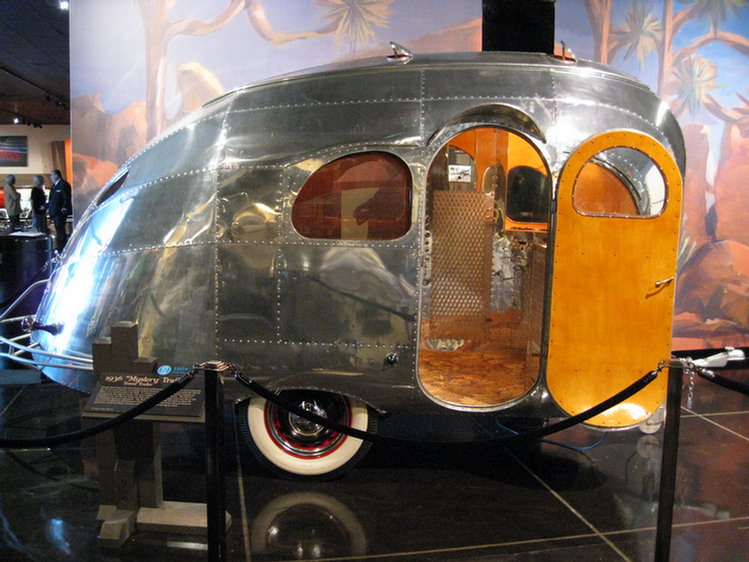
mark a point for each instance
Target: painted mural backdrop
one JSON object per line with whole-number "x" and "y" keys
{"x": 695, "y": 55}
{"x": 139, "y": 65}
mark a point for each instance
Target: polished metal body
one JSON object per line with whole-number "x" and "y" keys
{"x": 197, "y": 246}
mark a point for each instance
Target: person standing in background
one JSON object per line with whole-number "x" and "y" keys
{"x": 59, "y": 207}
{"x": 39, "y": 205}
{"x": 12, "y": 203}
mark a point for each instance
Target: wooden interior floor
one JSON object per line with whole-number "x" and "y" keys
{"x": 488, "y": 372}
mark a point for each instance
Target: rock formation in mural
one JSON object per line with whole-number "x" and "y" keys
{"x": 712, "y": 301}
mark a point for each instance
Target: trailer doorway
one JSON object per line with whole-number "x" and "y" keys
{"x": 485, "y": 251}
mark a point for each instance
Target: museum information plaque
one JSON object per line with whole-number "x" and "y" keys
{"x": 116, "y": 393}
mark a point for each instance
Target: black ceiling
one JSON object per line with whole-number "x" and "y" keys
{"x": 34, "y": 62}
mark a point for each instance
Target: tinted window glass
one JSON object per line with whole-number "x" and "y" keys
{"x": 359, "y": 197}
{"x": 527, "y": 194}
{"x": 113, "y": 188}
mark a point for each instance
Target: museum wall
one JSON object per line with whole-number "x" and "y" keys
{"x": 43, "y": 150}
{"x": 136, "y": 68}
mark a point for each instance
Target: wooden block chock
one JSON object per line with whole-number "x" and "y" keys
{"x": 130, "y": 472}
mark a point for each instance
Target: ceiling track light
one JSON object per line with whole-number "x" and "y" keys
{"x": 58, "y": 102}
{"x": 20, "y": 120}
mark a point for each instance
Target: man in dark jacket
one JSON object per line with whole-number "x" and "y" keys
{"x": 59, "y": 207}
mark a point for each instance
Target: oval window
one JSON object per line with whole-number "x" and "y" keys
{"x": 622, "y": 182}
{"x": 364, "y": 196}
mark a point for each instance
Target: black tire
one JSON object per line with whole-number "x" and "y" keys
{"x": 292, "y": 446}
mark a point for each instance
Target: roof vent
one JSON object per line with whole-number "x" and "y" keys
{"x": 400, "y": 53}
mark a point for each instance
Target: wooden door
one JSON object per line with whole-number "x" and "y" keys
{"x": 615, "y": 247}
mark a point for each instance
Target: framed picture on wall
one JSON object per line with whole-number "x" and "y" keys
{"x": 14, "y": 151}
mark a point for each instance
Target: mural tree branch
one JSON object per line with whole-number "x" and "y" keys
{"x": 346, "y": 18}
{"x": 159, "y": 31}
{"x": 600, "y": 25}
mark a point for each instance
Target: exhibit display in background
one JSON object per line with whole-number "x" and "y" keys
{"x": 13, "y": 152}
{"x": 695, "y": 55}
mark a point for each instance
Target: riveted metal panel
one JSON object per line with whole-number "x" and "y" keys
{"x": 250, "y": 204}
{"x": 390, "y": 83}
{"x": 247, "y": 292}
{"x": 345, "y": 293}
{"x": 166, "y": 212}
{"x": 168, "y": 292}
{"x": 502, "y": 81}
{"x": 194, "y": 145}
{"x": 269, "y": 135}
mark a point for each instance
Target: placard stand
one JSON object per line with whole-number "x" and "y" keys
{"x": 130, "y": 473}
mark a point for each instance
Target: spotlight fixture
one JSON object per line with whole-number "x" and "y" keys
{"x": 21, "y": 120}
{"x": 64, "y": 5}
{"x": 59, "y": 102}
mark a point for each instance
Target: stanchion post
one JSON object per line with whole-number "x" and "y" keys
{"x": 215, "y": 474}
{"x": 668, "y": 462}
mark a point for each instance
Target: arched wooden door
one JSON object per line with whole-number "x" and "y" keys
{"x": 615, "y": 248}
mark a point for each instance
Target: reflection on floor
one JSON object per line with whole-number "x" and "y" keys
{"x": 543, "y": 502}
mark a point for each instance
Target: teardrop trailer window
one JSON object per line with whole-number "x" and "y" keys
{"x": 113, "y": 188}
{"x": 620, "y": 181}
{"x": 364, "y": 196}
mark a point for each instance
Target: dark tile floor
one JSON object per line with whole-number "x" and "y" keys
{"x": 544, "y": 502}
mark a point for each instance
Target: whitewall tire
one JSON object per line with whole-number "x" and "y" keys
{"x": 291, "y": 445}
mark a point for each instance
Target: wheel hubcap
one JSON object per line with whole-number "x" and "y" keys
{"x": 302, "y": 437}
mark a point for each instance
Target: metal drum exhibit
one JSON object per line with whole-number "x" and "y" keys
{"x": 484, "y": 233}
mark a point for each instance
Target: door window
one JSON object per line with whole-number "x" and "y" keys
{"x": 619, "y": 181}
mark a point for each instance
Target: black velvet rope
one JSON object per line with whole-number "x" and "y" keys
{"x": 723, "y": 381}
{"x": 617, "y": 398}
{"x": 277, "y": 399}
{"x": 144, "y": 406}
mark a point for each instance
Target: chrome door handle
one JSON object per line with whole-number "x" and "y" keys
{"x": 664, "y": 282}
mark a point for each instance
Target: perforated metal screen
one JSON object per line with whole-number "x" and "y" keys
{"x": 461, "y": 263}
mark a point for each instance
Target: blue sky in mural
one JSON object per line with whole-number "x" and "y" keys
{"x": 573, "y": 28}
{"x": 104, "y": 58}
